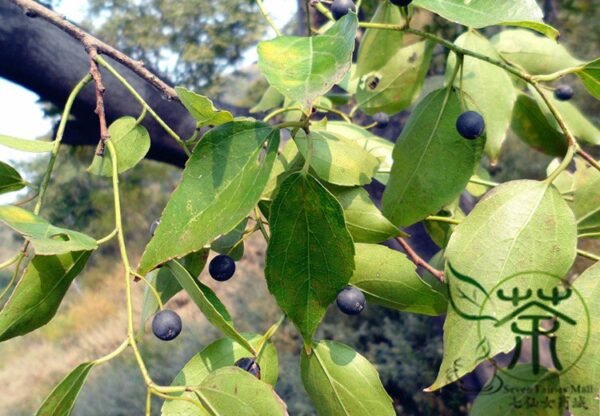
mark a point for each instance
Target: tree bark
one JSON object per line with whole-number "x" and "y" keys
{"x": 47, "y": 61}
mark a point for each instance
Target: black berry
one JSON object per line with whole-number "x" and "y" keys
{"x": 401, "y": 2}
{"x": 250, "y": 365}
{"x": 470, "y": 125}
{"x": 221, "y": 268}
{"x": 166, "y": 325}
{"x": 382, "y": 120}
{"x": 340, "y": 8}
{"x": 153, "y": 227}
{"x": 351, "y": 301}
{"x": 564, "y": 92}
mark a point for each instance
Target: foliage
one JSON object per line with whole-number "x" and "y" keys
{"x": 522, "y": 233}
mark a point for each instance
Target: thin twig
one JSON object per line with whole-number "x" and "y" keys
{"x": 89, "y": 42}
{"x": 418, "y": 260}
{"x": 588, "y": 255}
{"x": 100, "y": 89}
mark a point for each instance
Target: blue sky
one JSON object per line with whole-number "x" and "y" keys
{"x": 21, "y": 116}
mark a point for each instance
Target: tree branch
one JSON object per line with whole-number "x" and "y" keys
{"x": 418, "y": 260}
{"x": 31, "y": 8}
{"x": 97, "y": 77}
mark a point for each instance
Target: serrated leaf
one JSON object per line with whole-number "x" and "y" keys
{"x": 531, "y": 125}
{"x": 579, "y": 345}
{"x": 45, "y": 237}
{"x": 590, "y": 76}
{"x": 209, "y": 304}
{"x": 396, "y": 85}
{"x": 202, "y": 108}
{"x": 586, "y": 205}
{"x": 61, "y": 400}
{"x": 432, "y": 162}
{"x": 363, "y": 219}
{"x": 304, "y": 68}
{"x": 519, "y": 227}
{"x": 489, "y": 90}
{"x": 222, "y": 182}
{"x": 310, "y": 257}
{"x": 377, "y": 146}
{"x": 32, "y": 146}
{"x": 535, "y": 54}
{"x": 167, "y": 285}
{"x": 388, "y": 278}
{"x": 339, "y": 381}
{"x": 483, "y": 13}
{"x": 233, "y": 391}
{"x": 221, "y": 353}
{"x": 517, "y": 392}
{"x": 131, "y": 141}
{"x": 38, "y": 294}
{"x": 10, "y": 179}
{"x": 337, "y": 160}
{"x": 226, "y": 243}
{"x": 271, "y": 99}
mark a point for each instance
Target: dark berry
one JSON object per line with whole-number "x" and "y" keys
{"x": 340, "y": 8}
{"x": 401, "y": 2}
{"x": 470, "y": 125}
{"x": 382, "y": 120}
{"x": 221, "y": 268}
{"x": 564, "y": 92}
{"x": 166, "y": 325}
{"x": 351, "y": 301}
{"x": 153, "y": 227}
{"x": 250, "y": 365}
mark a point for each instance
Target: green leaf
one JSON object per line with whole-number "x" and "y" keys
{"x": 519, "y": 227}
{"x": 535, "y": 54}
{"x": 483, "y": 13}
{"x": 337, "y": 160}
{"x": 339, "y": 381}
{"x": 208, "y": 303}
{"x": 378, "y": 47}
{"x": 304, "y": 68}
{"x": 202, "y": 108}
{"x": 440, "y": 232}
{"x": 488, "y": 87}
{"x": 61, "y": 400}
{"x": 225, "y": 244}
{"x": 10, "y": 179}
{"x": 222, "y": 182}
{"x": 167, "y": 285}
{"x": 221, "y": 353}
{"x": 586, "y": 205}
{"x": 310, "y": 257}
{"x": 38, "y": 294}
{"x": 233, "y": 391}
{"x": 388, "y": 278}
{"x": 590, "y": 76}
{"x": 288, "y": 161}
{"x": 579, "y": 125}
{"x": 377, "y": 146}
{"x": 363, "y": 219}
{"x": 575, "y": 349}
{"x": 45, "y": 237}
{"x": 432, "y": 162}
{"x": 132, "y": 142}
{"x": 518, "y": 392}
{"x": 531, "y": 125}
{"x": 32, "y": 146}
{"x": 396, "y": 85}
{"x": 271, "y": 99}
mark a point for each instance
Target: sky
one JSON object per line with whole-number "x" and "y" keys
{"x": 21, "y": 116}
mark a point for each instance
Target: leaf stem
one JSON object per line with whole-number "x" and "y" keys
{"x": 143, "y": 103}
{"x": 556, "y": 75}
{"x": 261, "y": 225}
{"x": 10, "y": 261}
{"x": 489, "y": 184}
{"x": 113, "y": 354}
{"x": 267, "y": 17}
{"x": 419, "y": 261}
{"x": 15, "y": 274}
{"x": 268, "y": 335}
{"x": 589, "y": 235}
{"x": 339, "y": 113}
{"x": 108, "y": 237}
{"x": 281, "y": 111}
{"x": 448, "y": 220}
{"x": 588, "y": 255}
{"x": 58, "y": 140}
{"x": 151, "y": 287}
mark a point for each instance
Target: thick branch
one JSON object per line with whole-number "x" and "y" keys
{"x": 97, "y": 77}
{"x": 31, "y": 8}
